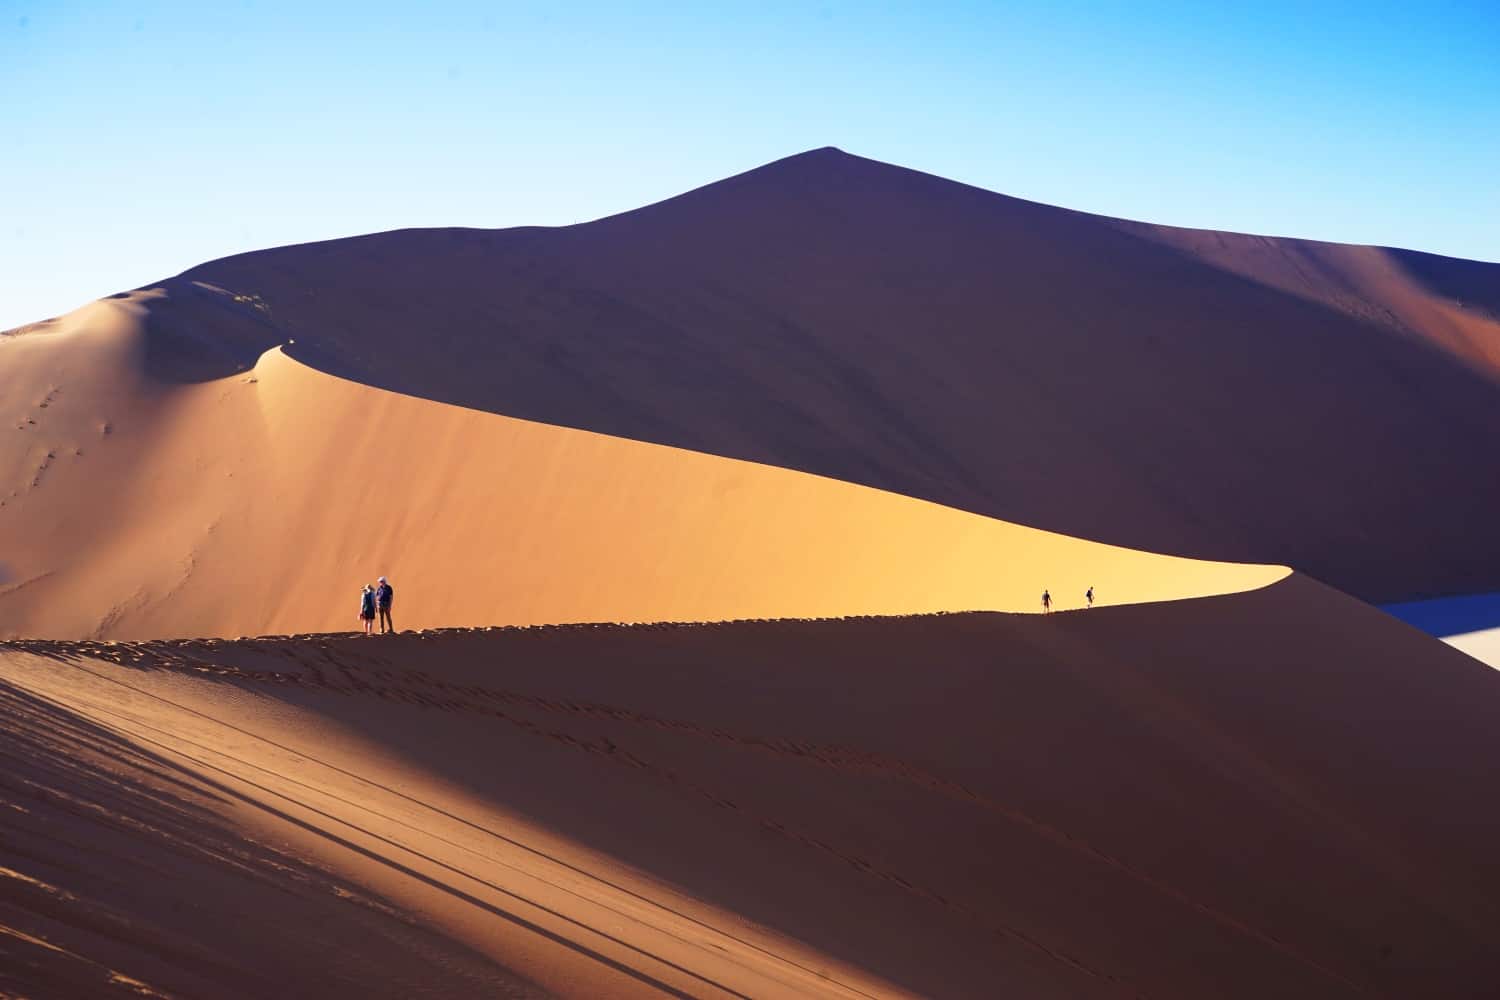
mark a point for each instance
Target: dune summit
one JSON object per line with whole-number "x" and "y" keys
{"x": 1212, "y": 395}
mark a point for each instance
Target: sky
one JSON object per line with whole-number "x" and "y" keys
{"x": 140, "y": 139}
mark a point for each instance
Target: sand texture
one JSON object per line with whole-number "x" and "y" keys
{"x": 818, "y": 435}
{"x": 261, "y": 501}
{"x": 1202, "y": 394}
{"x": 1166, "y": 800}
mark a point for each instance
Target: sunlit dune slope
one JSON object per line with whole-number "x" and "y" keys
{"x": 1204, "y": 394}
{"x": 1175, "y": 800}
{"x": 260, "y": 502}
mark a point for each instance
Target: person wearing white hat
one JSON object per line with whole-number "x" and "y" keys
{"x": 367, "y": 607}
{"x": 384, "y": 595}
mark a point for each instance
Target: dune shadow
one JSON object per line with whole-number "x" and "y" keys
{"x": 113, "y": 842}
{"x": 755, "y": 768}
{"x": 199, "y": 333}
{"x": 649, "y": 327}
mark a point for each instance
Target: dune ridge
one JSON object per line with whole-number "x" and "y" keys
{"x": 739, "y": 701}
{"x": 1423, "y": 296}
{"x": 1162, "y": 800}
{"x": 258, "y": 503}
{"x": 1203, "y": 394}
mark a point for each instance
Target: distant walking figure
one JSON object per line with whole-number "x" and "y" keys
{"x": 1088, "y": 595}
{"x": 367, "y": 607}
{"x": 1046, "y": 602}
{"x": 383, "y": 597}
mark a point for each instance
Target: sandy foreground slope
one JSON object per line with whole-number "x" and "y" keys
{"x": 1251, "y": 795}
{"x": 1204, "y": 394}
{"x": 260, "y": 502}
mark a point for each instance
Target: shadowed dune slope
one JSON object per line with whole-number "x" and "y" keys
{"x": 1205, "y": 394}
{"x": 1165, "y": 800}
{"x": 121, "y": 862}
{"x": 261, "y": 502}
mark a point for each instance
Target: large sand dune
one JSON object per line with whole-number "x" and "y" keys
{"x": 1213, "y": 395}
{"x": 260, "y": 502}
{"x": 805, "y": 392}
{"x": 1166, "y": 800}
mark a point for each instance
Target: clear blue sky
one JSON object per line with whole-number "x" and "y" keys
{"x": 142, "y": 138}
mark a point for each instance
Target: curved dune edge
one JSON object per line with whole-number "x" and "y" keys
{"x": 833, "y": 314}
{"x": 259, "y": 503}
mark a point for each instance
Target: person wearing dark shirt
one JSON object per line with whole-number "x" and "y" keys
{"x": 384, "y": 595}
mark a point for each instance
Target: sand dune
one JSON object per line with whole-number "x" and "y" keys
{"x": 1203, "y": 394}
{"x": 1167, "y": 800}
{"x": 807, "y": 392}
{"x": 260, "y": 502}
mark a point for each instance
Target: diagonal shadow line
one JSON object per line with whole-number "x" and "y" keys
{"x": 418, "y": 876}
{"x": 477, "y": 827}
{"x": 379, "y": 815}
{"x": 1008, "y": 932}
{"x": 1058, "y": 837}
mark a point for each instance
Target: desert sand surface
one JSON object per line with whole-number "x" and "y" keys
{"x": 1454, "y": 304}
{"x": 791, "y": 453}
{"x": 1249, "y": 795}
{"x": 261, "y": 501}
{"x": 1202, "y": 394}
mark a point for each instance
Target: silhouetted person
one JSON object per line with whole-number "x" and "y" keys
{"x": 1088, "y": 595}
{"x": 384, "y": 595}
{"x": 1046, "y": 602}
{"x": 367, "y": 607}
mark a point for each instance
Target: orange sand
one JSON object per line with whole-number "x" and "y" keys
{"x": 260, "y": 502}
{"x": 1271, "y": 791}
{"x": 1203, "y": 394}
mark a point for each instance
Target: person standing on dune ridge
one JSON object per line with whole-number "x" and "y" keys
{"x": 367, "y": 607}
{"x": 384, "y": 596}
{"x": 1088, "y": 595}
{"x": 1046, "y": 602}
